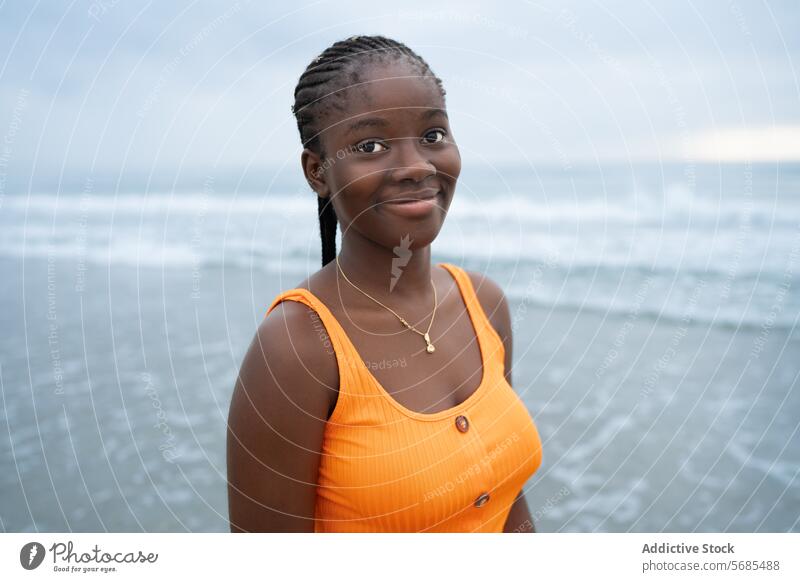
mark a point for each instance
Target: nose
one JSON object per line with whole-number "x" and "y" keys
{"x": 411, "y": 163}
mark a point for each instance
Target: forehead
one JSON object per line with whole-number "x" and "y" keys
{"x": 395, "y": 88}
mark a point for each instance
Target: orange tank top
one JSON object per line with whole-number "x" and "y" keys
{"x": 385, "y": 468}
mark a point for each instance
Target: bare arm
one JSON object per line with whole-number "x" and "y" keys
{"x": 519, "y": 519}
{"x": 495, "y": 304}
{"x": 279, "y": 409}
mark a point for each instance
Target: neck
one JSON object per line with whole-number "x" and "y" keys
{"x": 389, "y": 275}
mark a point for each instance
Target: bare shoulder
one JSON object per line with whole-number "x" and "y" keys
{"x": 494, "y": 302}
{"x": 286, "y": 385}
{"x": 292, "y": 347}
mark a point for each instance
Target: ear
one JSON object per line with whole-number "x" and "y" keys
{"x": 314, "y": 170}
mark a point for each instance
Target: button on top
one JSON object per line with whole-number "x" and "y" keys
{"x": 462, "y": 423}
{"x": 482, "y": 499}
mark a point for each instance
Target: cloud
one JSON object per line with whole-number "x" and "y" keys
{"x": 184, "y": 86}
{"x": 754, "y": 144}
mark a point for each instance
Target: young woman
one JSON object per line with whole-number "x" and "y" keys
{"x": 375, "y": 396}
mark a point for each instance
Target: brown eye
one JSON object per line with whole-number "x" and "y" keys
{"x": 370, "y": 147}
{"x": 434, "y": 136}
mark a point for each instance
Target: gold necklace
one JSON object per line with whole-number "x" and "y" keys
{"x": 426, "y": 335}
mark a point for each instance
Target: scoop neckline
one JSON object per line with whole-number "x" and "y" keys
{"x": 438, "y": 415}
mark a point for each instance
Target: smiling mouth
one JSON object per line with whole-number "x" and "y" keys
{"x": 412, "y": 197}
{"x": 410, "y": 200}
{"x": 413, "y": 205}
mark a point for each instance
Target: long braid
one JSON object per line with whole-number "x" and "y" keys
{"x": 326, "y": 76}
{"x": 327, "y": 229}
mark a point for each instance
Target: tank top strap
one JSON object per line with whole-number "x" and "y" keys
{"x": 487, "y": 334}
{"x": 351, "y": 376}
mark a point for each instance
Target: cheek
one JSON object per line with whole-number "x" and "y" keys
{"x": 359, "y": 181}
{"x": 354, "y": 185}
{"x": 449, "y": 163}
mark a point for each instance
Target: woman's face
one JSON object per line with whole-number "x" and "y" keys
{"x": 390, "y": 161}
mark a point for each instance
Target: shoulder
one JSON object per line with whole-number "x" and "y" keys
{"x": 291, "y": 353}
{"x": 292, "y": 329}
{"x": 495, "y": 305}
{"x": 295, "y": 339}
{"x": 276, "y": 423}
{"x": 493, "y": 301}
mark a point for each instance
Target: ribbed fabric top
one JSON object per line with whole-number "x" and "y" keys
{"x": 385, "y": 468}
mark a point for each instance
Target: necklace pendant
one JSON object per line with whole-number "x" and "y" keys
{"x": 430, "y": 347}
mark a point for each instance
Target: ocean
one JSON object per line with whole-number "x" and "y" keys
{"x": 654, "y": 308}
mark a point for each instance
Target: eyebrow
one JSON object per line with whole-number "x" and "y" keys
{"x": 381, "y": 122}
{"x": 434, "y": 112}
{"x": 366, "y": 122}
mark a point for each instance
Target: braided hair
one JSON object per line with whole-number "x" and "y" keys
{"x": 319, "y": 90}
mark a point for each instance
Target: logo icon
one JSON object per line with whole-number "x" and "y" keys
{"x": 402, "y": 256}
{"x": 31, "y": 555}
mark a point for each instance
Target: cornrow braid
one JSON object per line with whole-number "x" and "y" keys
{"x": 325, "y": 77}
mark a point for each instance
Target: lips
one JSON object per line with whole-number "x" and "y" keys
{"x": 411, "y": 197}
{"x": 413, "y": 205}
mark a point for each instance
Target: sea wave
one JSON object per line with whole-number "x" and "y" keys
{"x": 593, "y": 255}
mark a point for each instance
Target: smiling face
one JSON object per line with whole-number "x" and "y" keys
{"x": 389, "y": 161}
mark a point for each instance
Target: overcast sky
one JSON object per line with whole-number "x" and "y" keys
{"x": 129, "y": 88}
